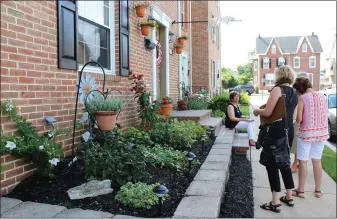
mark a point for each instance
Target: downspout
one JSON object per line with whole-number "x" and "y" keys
{"x": 190, "y": 43}
{"x": 179, "y": 56}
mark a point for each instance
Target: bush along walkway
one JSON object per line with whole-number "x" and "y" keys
{"x": 310, "y": 206}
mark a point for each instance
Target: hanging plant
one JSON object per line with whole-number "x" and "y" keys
{"x": 179, "y": 48}
{"x": 159, "y": 54}
{"x": 181, "y": 39}
{"x": 146, "y": 26}
{"x": 140, "y": 7}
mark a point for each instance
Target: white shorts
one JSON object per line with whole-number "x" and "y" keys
{"x": 306, "y": 150}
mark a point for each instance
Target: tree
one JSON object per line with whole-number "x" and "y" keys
{"x": 245, "y": 73}
{"x": 228, "y": 80}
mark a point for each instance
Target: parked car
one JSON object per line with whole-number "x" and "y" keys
{"x": 331, "y": 100}
{"x": 249, "y": 88}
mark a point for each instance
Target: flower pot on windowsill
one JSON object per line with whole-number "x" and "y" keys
{"x": 182, "y": 105}
{"x": 106, "y": 120}
{"x": 165, "y": 109}
{"x": 140, "y": 10}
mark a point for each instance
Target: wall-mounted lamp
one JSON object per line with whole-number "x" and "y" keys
{"x": 172, "y": 38}
{"x": 49, "y": 120}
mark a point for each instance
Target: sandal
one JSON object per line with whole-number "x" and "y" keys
{"x": 286, "y": 201}
{"x": 298, "y": 193}
{"x": 271, "y": 207}
{"x": 318, "y": 194}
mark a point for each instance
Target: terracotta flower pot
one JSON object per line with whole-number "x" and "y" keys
{"x": 140, "y": 10}
{"x": 165, "y": 109}
{"x": 181, "y": 41}
{"x": 145, "y": 30}
{"x": 182, "y": 105}
{"x": 106, "y": 120}
{"x": 179, "y": 50}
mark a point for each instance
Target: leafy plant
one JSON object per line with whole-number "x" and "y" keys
{"x": 150, "y": 23}
{"x": 219, "y": 102}
{"x": 183, "y": 37}
{"x": 177, "y": 45}
{"x": 218, "y": 113}
{"x": 244, "y": 98}
{"x": 43, "y": 151}
{"x": 197, "y": 104}
{"x": 138, "y": 195}
{"x": 140, "y": 3}
{"x": 98, "y": 103}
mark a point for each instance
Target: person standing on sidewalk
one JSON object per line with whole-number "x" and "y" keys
{"x": 284, "y": 79}
{"x": 312, "y": 115}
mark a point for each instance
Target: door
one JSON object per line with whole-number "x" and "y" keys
{"x": 184, "y": 69}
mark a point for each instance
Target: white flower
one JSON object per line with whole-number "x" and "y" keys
{"x": 11, "y": 145}
{"x": 87, "y": 85}
{"x": 54, "y": 161}
{"x": 9, "y": 107}
{"x": 84, "y": 118}
{"x": 86, "y": 136}
{"x": 41, "y": 147}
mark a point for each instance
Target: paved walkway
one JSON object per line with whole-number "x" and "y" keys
{"x": 308, "y": 207}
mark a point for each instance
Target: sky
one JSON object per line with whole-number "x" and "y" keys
{"x": 273, "y": 18}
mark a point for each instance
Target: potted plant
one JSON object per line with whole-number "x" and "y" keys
{"x": 146, "y": 26}
{"x": 105, "y": 111}
{"x": 257, "y": 89}
{"x": 181, "y": 39}
{"x": 182, "y": 104}
{"x": 140, "y": 7}
{"x": 166, "y": 106}
{"x": 179, "y": 48}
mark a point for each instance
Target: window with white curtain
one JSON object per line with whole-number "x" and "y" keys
{"x": 304, "y": 47}
{"x": 297, "y": 62}
{"x": 312, "y": 61}
{"x": 273, "y": 48}
{"x": 266, "y": 61}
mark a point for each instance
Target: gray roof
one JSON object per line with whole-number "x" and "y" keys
{"x": 288, "y": 44}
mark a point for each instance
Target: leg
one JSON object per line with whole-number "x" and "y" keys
{"x": 289, "y": 185}
{"x": 275, "y": 185}
{"x": 250, "y": 129}
{"x": 294, "y": 167}
{"x": 316, "y": 155}
{"x": 303, "y": 150}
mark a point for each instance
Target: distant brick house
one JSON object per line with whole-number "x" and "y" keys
{"x": 44, "y": 44}
{"x": 302, "y": 53}
{"x": 206, "y": 47}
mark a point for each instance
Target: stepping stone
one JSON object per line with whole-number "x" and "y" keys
{"x": 8, "y": 203}
{"x": 210, "y": 175}
{"x": 32, "y": 209}
{"x": 211, "y": 165}
{"x": 92, "y": 188}
{"x": 198, "y": 207}
{"x": 79, "y": 213}
{"x": 205, "y": 188}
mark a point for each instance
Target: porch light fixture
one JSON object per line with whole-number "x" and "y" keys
{"x": 172, "y": 38}
{"x": 160, "y": 191}
{"x": 49, "y": 120}
{"x": 212, "y": 131}
{"x": 190, "y": 157}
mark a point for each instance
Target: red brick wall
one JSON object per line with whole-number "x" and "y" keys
{"x": 30, "y": 76}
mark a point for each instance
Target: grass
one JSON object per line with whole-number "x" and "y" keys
{"x": 329, "y": 162}
{"x": 244, "y": 110}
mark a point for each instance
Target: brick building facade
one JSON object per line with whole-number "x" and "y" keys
{"x": 206, "y": 47}
{"x": 302, "y": 53}
{"x": 35, "y": 73}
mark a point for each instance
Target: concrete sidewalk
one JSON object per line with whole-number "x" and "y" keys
{"x": 308, "y": 207}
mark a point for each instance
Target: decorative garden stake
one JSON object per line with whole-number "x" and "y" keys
{"x": 190, "y": 157}
{"x": 212, "y": 130}
{"x": 160, "y": 191}
{"x": 203, "y": 139}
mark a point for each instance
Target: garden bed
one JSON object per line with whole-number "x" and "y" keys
{"x": 238, "y": 200}
{"x": 54, "y": 191}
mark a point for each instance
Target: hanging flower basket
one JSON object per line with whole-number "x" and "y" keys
{"x": 179, "y": 48}
{"x": 146, "y": 26}
{"x": 140, "y": 7}
{"x": 106, "y": 120}
{"x": 181, "y": 40}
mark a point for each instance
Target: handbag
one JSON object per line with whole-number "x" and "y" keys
{"x": 278, "y": 112}
{"x": 275, "y": 152}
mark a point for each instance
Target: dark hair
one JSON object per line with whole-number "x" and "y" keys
{"x": 302, "y": 84}
{"x": 232, "y": 95}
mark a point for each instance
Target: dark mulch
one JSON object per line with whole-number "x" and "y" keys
{"x": 238, "y": 200}
{"x": 54, "y": 191}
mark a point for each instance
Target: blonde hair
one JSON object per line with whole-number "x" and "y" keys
{"x": 284, "y": 74}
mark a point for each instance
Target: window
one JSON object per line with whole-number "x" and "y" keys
{"x": 95, "y": 33}
{"x": 304, "y": 47}
{"x": 281, "y": 61}
{"x": 213, "y": 74}
{"x": 312, "y": 62}
{"x": 273, "y": 48}
{"x": 255, "y": 65}
{"x": 297, "y": 62}
{"x": 182, "y": 11}
{"x": 217, "y": 38}
{"x": 266, "y": 61}
{"x": 269, "y": 79}
{"x": 305, "y": 74}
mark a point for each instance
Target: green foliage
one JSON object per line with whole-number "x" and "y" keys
{"x": 177, "y": 134}
{"x": 244, "y": 110}
{"x": 245, "y": 73}
{"x": 329, "y": 162}
{"x": 98, "y": 103}
{"x": 218, "y": 113}
{"x": 244, "y": 98}
{"x": 117, "y": 160}
{"x": 42, "y": 149}
{"x": 228, "y": 78}
{"x": 165, "y": 157}
{"x": 199, "y": 102}
{"x": 151, "y": 23}
{"x": 219, "y": 102}
{"x": 138, "y": 195}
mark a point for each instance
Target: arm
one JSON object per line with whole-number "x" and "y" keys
{"x": 271, "y": 103}
{"x": 231, "y": 115}
{"x": 295, "y": 113}
{"x": 299, "y": 110}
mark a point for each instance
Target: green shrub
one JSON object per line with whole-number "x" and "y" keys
{"x": 244, "y": 98}
{"x": 98, "y": 103}
{"x": 199, "y": 102}
{"x": 219, "y": 102}
{"x": 218, "y": 113}
{"x": 138, "y": 195}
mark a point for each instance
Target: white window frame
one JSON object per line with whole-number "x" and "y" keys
{"x": 111, "y": 28}
{"x": 273, "y": 49}
{"x": 314, "y": 60}
{"x": 255, "y": 66}
{"x": 299, "y": 62}
{"x": 281, "y": 60}
{"x": 269, "y": 82}
{"x": 266, "y": 63}
{"x": 304, "y": 48}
